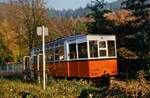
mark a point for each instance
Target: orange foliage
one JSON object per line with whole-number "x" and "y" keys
{"x": 120, "y": 16}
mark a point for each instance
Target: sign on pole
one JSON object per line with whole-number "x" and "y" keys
{"x": 43, "y": 31}
{"x": 39, "y": 31}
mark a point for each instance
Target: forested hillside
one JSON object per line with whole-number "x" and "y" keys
{"x": 81, "y": 12}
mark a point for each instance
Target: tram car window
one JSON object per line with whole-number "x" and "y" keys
{"x": 34, "y": 60}
{"x": 102, "y": 49}
{"x": 102, "y": 53}
{"x": 61, "y": 53}
{"x": 41, "y": 59}
{"x": 93, "y": 48}
{"x": 50, "y": 55}
{"x": 111, "y": 48}
{"x": 72, "y": 51}
{"x": 56, "y": 54}
{"x": 102, "y": 44}
{"x": 82, "y": 50}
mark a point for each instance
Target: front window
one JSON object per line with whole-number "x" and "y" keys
{"x": 82, "y": 50}
{"x": 111, "y": 48}
{"x": 102, "y": 44}
{"x": 93, "y": 48}
{"x": 102, "y": 53}
{"x": 102, "y": 49}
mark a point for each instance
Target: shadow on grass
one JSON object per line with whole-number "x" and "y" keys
{"x": 13, "y": 77}
{"x": 91, "y": 93}
{"x": 110, "y": 92}
{"x": 27, "y": 95}
{"x": 101, "y": 93}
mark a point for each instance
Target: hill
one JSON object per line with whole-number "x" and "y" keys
{"x": 114, "y": 5}
{"x": 80, "y": 12}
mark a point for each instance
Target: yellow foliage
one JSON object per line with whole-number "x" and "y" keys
{"x": 8, "y": 38}
{"x": 126, "y": 53}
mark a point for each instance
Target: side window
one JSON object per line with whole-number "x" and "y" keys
{"x": 93, "y": 48}
{"x": 111, "y": 48}
{"x": 41, "y": 59}
{"x": 35, "y": 60}
{"x": 102, "y": 48}
{"x": 82, "y": 50}
{"x": 50, "y": 55}
{"x": 72, "y": 51}
{"x": 59, "y": 53}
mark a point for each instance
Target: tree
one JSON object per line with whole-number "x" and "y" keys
{"x": 32, "y": 14}
{"x": 140, "y": 9}
{"x": 101, "y": 24}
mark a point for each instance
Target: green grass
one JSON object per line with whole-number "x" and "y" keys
{"x": 63, "y": 88}
{"x": 55, "y": 89}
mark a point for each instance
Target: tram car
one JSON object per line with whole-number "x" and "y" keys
{"x": 80, "y": 56}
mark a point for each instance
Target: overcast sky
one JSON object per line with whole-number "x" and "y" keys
{"x": 71, "y": 4}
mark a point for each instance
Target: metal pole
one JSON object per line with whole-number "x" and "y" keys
{"x": 43, "y": 57}
{"x": 38, "y": 67}
{"x": 24, "y": 62}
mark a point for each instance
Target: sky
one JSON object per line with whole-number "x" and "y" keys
{"x": 69, "y": 4}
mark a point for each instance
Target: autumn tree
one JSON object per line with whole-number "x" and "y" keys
{"x": 60, "y": 27}
{"x": 100, "y": 24}
{"x": 33, "y": 13}
{"x": 140, "y": 9}
{"x": 7, "y": 36}
{"x": 6, "y": 42}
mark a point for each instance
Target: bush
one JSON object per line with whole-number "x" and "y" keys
{"x": 147, "y": 68}
{"x": 131, "y": 89}
{"x": 9, "y": 58}
{"x": 1, "y": 61}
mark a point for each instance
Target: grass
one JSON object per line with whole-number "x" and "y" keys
{"x": 55, "y": 89}
{"x": 16, "y": 89}
{"x": 63, "y": 88}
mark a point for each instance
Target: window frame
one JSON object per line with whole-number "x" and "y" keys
{"x": 101, "y": 49}
{"x": 77, "y": 52}
{"x": 58, "y": 60}
{"x": 115, "y": 49}
{"x": 86, "y": 51}
{"x": 52, "y": 55}
{"x": 35, "y": 60}
{"x": 89, "y": 51}
{"x": 69, "y": 51}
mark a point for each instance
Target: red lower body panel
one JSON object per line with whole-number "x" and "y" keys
{"x": 83, "y": 68}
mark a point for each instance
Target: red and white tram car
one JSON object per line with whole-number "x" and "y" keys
{"x": 81, "y": 56}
